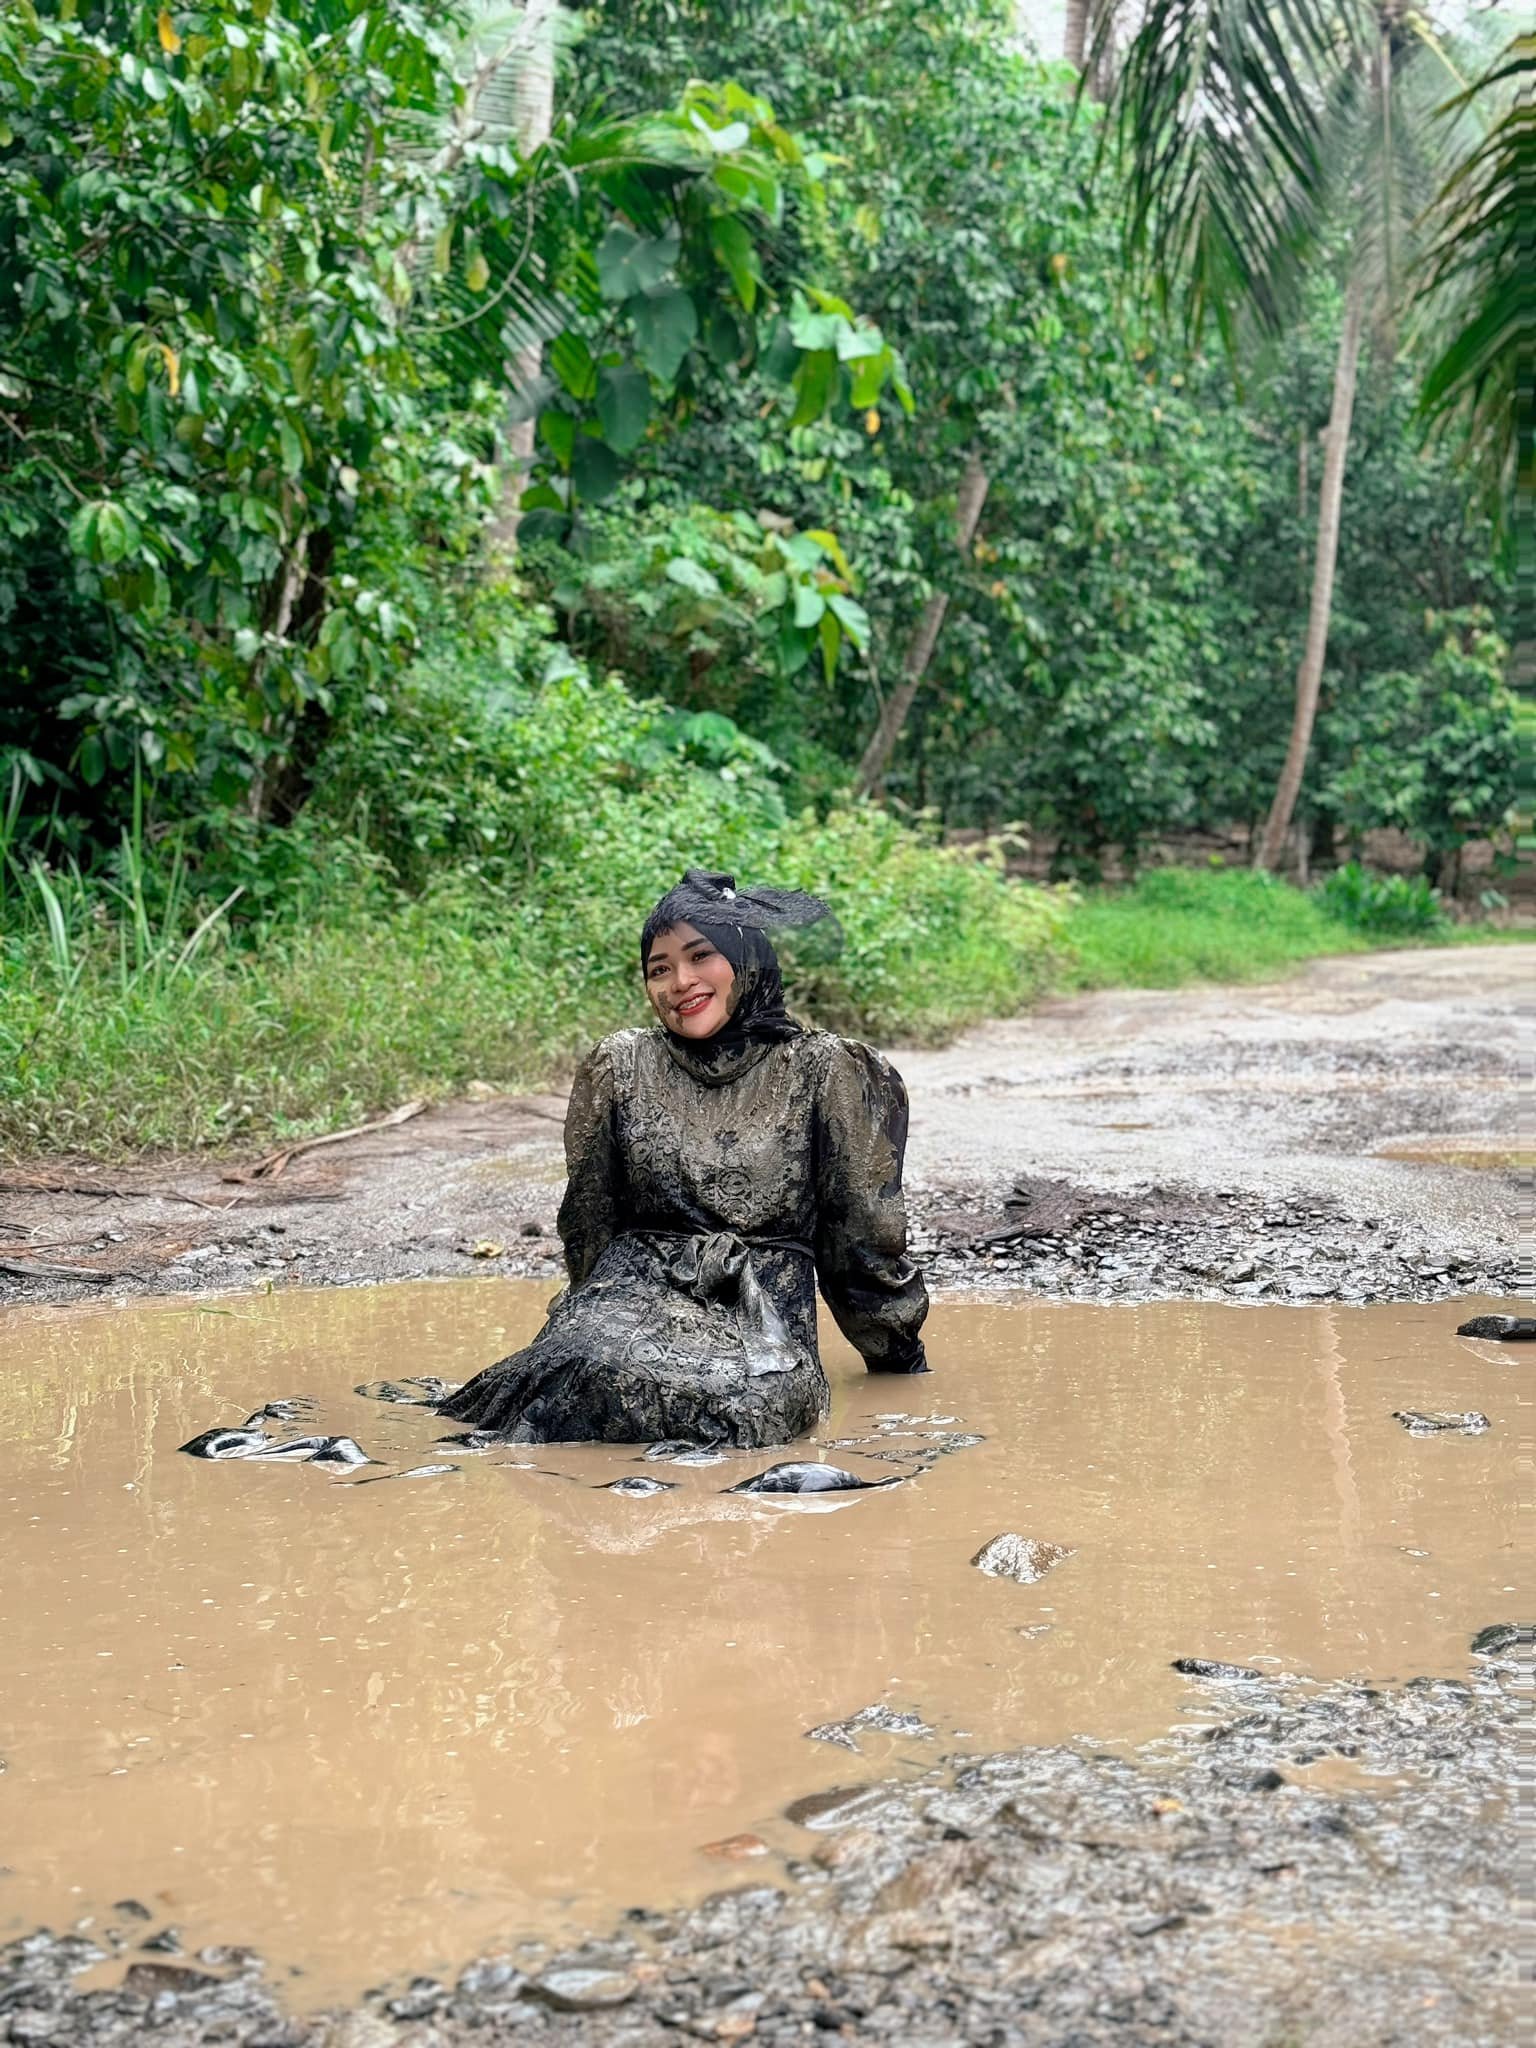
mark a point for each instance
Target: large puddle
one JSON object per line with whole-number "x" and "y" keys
{"x": 380, "y": 1728}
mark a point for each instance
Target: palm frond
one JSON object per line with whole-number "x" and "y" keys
{"x": 1482, "y": 268}
{"x": 1216, "y": 121}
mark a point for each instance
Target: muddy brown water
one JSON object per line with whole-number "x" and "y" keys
{"x": 380, "y": 1730}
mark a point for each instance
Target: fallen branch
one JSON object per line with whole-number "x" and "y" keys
{"x": 29, "y": 1184}
{"x": 274, "y": 1163}
{"x": 45, "y": 1270}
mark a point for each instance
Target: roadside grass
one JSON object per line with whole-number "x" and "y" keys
{"x": 121, "y": 1034}
{"x": 117, "y": 1036}
{"x": 1177, "y": 925}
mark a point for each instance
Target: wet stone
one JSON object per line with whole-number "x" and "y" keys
{"x": 636, "y": 1488}
{"x": 409, "y": 1393}
{"x": 1025, "y": 1559}
{"x": 420, "y": 1999}
{"x": 166, "y": 1943}
{"x": 1205, "y": 1667}
{"x": 1501, "y": 1329}
{"x": 1439, "y": 1422}
{"x": 150, "y": 1980}
{"x": 579, "y": 1990}
{"x": 880, "y": 1719}
{"x": 1501, "y": 1636}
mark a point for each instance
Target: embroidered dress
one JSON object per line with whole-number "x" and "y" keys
{"x": 705, "y": 1203}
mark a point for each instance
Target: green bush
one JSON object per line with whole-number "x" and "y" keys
{"x": 464, "y": 903}
{"x": 1402, "y": 905}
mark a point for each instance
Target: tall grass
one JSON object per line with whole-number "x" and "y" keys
{"x": 1177, "y": 925}
{"x": 126, "y": 1028}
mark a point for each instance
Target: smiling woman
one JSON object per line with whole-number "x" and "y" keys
{"x": 720, "y": 1166}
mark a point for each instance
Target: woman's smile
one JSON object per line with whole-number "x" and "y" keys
{"x": 690, "y": 982}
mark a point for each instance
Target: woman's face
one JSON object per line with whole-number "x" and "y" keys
{"x": 689, "y": 982}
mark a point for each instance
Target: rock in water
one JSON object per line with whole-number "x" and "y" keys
{"x": 808, "y": 1479}
{"x": 1501, "y": 1636}
{"x": 1023, "y": 1558}
{"x": 883, "y": 1720}
{"x": 1204, "y": 1667}
{"x": 1435, "y": 1421}
{"x": 636, "y": 1488}
{"x": 673, "y": 1451}
{"x": 1503, "y": 1329}
{"x": 417, "y": 1393}
{"x": 281, "y": 1411}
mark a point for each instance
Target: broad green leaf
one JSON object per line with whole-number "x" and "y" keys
{"x": 92, "y": 760}
{"x": 781, "y": 358}
{"x": 557, "y": 430}
{"x": 809, "y": 606}
{"x": 543, "y": 526}
{"x": 692, "y": 576}
{"x": 541, "y": 498}
{"x": 854, "y": 343}
{"x": 628, "y": 263}
{"x": 722, "y": 337}
{"x": 666, "y": 325}
{"x": 623, "y": 407}
{"x": 815, "y": 382}
{"x": 595, "y": 469}
{"x": 830, "y": 635}
{"x": 852, "y": 617}
{"x": 735, "y": 250}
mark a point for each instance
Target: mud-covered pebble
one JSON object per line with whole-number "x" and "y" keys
{"x": 1025, "y": 1559}
{"x": 1208, "y": 1667}
{"x": 1441, "y": 1421}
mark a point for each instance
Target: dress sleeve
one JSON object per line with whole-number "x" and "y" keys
{"x": 588, "y": 1216}
{"x": 870, "y": 1285}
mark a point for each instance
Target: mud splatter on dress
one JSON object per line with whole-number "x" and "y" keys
{"x": 705, "y": 1203}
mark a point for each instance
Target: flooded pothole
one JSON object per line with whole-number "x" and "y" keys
{"x": 1476, "y": 1151}
{"x": 367, "y": 1730}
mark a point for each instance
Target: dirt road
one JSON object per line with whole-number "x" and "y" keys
{"x": 1212, "y": 1142}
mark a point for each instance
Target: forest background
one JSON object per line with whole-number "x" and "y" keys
{"x": 459, "y": 467}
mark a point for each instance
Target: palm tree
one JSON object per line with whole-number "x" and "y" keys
{"x": 1257, "y": 133}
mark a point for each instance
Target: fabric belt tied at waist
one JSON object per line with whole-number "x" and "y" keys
{"x": 716, "y": 1266}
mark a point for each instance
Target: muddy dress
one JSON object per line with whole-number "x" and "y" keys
{"x": 699, "y": 1217}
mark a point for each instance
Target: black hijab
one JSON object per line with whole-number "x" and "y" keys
{"x": 734, "y": 922}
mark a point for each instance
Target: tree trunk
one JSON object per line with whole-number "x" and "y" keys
{"x": 1330, "y": 502}
{"x": 1074, "y": 45}
{"x": 877, "y": 755}
{"x": 533, "y": 117}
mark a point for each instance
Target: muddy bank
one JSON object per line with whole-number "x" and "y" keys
{"x": 1347, "y": 1135}
{"x": 1330, "y": 1866}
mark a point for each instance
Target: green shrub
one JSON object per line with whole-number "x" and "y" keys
{"x": 1402, "y": 905}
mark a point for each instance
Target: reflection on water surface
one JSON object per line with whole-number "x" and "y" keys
{"x": 385, "y": 1728}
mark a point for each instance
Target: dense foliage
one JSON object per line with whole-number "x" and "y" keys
{"x": 797, "y": 352}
